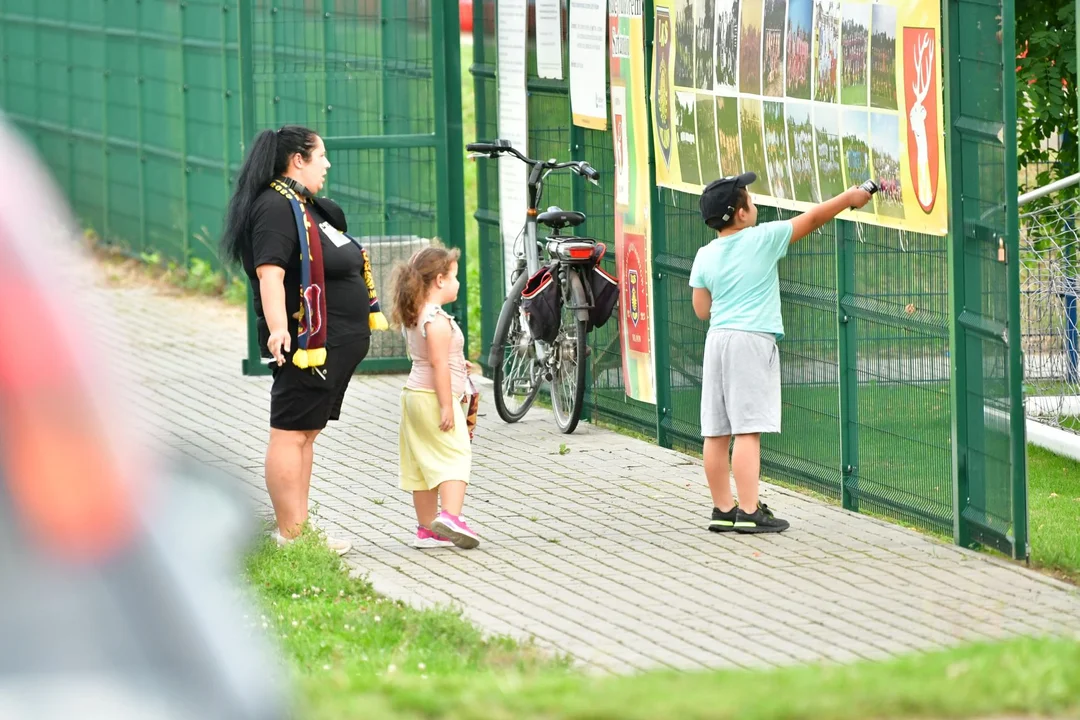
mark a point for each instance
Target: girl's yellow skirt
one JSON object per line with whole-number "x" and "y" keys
{"x": 428, "y": 455}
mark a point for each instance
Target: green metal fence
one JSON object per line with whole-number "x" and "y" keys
{"x": 142, "y": 109}
{"x": 901, "y": 367}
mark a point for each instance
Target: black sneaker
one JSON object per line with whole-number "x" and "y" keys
{"x": 723, "y": 521}
{"x": 761, "y": 520}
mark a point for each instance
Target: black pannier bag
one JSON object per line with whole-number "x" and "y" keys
{"x": 540, "y": 301}
{"x": 605, "y": 291}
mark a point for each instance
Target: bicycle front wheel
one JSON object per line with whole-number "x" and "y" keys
{"x": 517, "y": 377}
{"x": 568, "y": 370}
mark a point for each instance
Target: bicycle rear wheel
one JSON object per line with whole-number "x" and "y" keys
{"x": 568, "y": 370}
{"x": 517, "y": 373}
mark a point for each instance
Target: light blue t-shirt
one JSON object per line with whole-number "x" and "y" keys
{"x": 739, "y": 271}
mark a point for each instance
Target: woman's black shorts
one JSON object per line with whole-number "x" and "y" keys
{"x": 303, "y": 400}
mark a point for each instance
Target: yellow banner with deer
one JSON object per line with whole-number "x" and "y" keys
{"x": 814, "y": 96}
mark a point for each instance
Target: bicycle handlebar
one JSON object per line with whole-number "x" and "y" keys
{"x": 488, "y": 148}
{"x": 496, "y": 148}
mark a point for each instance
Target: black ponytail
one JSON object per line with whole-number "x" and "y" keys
{"x": 267, "y": 159}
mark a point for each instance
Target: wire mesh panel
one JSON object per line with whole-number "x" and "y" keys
{"x": 896, "y": 300}
{"x": 808, "y": 450}
{"x": 135, "y": 107}
{"x": 489, "y": 243}
{"x": 549, "y": 137}
{"x": 676, "y": 243}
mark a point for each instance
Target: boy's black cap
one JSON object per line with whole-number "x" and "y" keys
{"x": 717, "y": 199}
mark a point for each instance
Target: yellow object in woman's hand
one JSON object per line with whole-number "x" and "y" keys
{"x": 377, "y": 321}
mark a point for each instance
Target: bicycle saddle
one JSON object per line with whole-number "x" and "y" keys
{"x": 557, "y": 218}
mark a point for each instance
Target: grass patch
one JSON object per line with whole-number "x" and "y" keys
{"x": 352, "y": 649}
{"x": 1054, "y": 510}
{"x": 854, "y": 95}
{"x": 355, "y": 654}
{"x": 198, "y": 278}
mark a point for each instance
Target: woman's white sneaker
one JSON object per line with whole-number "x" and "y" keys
{"x": 339, "y": 546}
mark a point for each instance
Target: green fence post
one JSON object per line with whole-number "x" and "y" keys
{"x": 1017, "y": 430}
{"x": 253, "y": 364}
{"x": 140, "y": 129}
{"x": 661, "y": 283}
{"x": 70, "y": 35}
{"x": 847, "y": 357}
{"x": 957, "y": 336}
{"x": 327, "y": 60}
{"x": 106, "y": 184}
{"x": 491, "y": 275}
{"x": 185, "y": 169}
{"x": 395, "y": 101}
{"x": 5, "y": 82}
{"x": 450, "y": 147}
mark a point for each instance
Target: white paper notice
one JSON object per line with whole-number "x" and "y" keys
{"x": 588, "y": 63}
{"x": 549, "y": 39}
{"x": 512, "y": 19}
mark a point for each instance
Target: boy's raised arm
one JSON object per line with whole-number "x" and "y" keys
{"x": 814, "y": 218}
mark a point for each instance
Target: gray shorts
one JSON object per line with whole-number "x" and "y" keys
{"x": 740, "y": 384}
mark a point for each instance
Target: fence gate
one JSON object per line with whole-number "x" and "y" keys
{"x": 380, "y": 81}
{"x": 990, "y": 453}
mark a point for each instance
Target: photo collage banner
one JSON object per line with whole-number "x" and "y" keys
{"x": 815, "y": 96}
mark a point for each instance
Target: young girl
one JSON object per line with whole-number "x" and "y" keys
{"x": 436, "y": 456}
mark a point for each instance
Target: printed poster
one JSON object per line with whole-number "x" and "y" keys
{"x": 549, "y": 33}
{"x": 588, "y": 66}
{"x": 814, "y": 96}
{"x": 633, "y": 247}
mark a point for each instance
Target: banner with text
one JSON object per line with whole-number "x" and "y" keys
{"x": 588, "y": 75}
{"x": 814, "y": 96}
{"x": 633, "y": 246}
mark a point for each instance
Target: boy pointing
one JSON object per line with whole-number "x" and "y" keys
{"x": 737, "y": 289}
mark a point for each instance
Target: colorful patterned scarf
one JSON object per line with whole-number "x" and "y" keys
{"x": 311, "y": 333}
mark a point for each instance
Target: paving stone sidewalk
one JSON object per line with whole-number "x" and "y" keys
{"x": 600, "y": 552}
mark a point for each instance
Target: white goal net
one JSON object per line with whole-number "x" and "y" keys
{"x": 1050, "y": 284}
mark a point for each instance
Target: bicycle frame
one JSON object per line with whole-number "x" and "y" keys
{"x": 532, "y": 246}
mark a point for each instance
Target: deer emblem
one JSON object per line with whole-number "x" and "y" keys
{"x": 924, "y": 67}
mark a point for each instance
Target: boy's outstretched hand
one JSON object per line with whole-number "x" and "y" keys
{"x": 815, "y": 217}
{"x": 858, "y": 197}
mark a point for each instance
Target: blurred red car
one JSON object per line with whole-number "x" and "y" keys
{"x": 112, "y": 606}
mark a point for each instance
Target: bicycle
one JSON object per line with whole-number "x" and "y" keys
{"x": 529, "y": 348}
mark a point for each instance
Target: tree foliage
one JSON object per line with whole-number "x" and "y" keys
{"x": 1046, "y": 87}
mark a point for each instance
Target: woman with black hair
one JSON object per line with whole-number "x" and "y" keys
{"x": 314, "y": 299}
